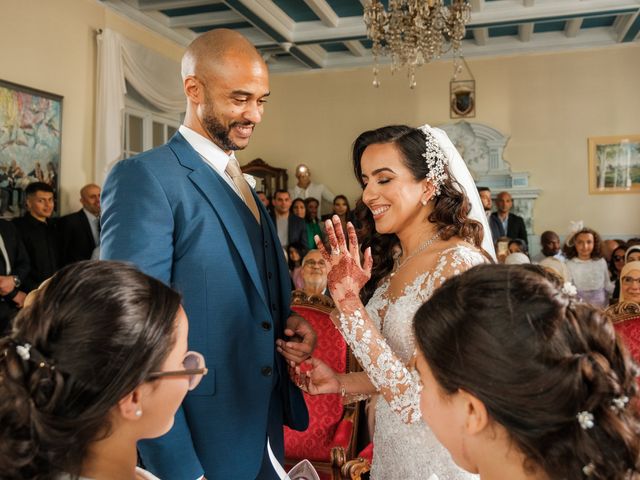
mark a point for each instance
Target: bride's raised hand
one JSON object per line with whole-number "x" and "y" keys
{"x": 346, "y": 275}
{"x": 320, "y": 377}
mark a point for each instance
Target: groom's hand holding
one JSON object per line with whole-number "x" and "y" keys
{"x": 301, "y": 341}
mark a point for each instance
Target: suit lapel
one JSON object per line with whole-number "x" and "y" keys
{"x": 213, "y": 189}
{"x": 86, "y": 227}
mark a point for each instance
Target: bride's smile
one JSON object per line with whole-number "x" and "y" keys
{"x": 391, "y": 191}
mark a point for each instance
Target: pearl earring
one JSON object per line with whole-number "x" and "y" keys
{"x": 424, "y": 203}
{"x": 138, "y": 413}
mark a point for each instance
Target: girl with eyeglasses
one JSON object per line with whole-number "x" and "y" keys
{"x": 615, "y": 266}
{"x": 96, "y": 362}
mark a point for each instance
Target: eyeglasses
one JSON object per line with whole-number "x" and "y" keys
{"x": 313, "y": 263}
{"x": 618, "y": 258}
{"x": 194, "y": 369}
{"x": 630, "y": 280}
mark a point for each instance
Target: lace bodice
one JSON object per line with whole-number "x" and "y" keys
{"x": 404, "y": 447}
{"x": 384, "y": 356}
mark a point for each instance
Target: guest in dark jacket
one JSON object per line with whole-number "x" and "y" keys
{"x": 506, "y": 224}
{"x": 290, "y": 228}
{"x": 80, "y": 231}
{"x": 14, "y": 268}
{"x": 39, "y": 234}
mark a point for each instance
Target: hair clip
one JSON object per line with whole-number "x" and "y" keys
{"x": 619, "y": 403}
{"x": 23, "y": 351}
{"x": 589, "y": 469}
{"x": 569, "y": 289}
{"x": 585, "y": 419}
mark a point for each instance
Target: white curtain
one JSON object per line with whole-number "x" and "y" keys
{"x": 155, "y": 77}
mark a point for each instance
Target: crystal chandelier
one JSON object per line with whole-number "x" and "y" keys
{"x": 415, "y": 32}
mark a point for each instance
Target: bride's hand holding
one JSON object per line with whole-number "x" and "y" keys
{"x": 319, "y": 377}
{"x": 346, "y": 275}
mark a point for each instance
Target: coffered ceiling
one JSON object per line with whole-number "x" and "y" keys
{"x": 297, "y": 35}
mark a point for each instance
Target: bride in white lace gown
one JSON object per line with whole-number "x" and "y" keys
{"x": 421, "y": 213}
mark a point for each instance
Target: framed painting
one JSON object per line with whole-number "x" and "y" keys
{"x": 30, "y": 143}
{"x": 614, "y": 164}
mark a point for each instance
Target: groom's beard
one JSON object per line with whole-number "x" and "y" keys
{"x": 217, "y": 131}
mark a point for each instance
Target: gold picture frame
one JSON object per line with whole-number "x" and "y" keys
{"x": 614, "y": 164}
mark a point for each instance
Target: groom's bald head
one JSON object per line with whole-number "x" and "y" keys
{"x": 226, "y": 82}
{"x": 211, "y": 51}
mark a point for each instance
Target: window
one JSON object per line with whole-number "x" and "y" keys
{"x": 145, "y": 127}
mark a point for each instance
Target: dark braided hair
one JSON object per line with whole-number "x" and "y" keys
{"x": 536, "y": 358}
{"x": 450, "y": 211}
{"x": 95, "y": 332}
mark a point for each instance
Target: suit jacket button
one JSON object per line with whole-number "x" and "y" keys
{"x": 266, "y": 371}
{"x": 274, "y": 307}
{"x": 269, "y": 275}
{"x": 266, "y": 326}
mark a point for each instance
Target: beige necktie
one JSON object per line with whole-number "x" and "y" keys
{"x": 233, "y": 170}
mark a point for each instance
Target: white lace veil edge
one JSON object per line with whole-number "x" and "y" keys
{"x": 460, "y": 173}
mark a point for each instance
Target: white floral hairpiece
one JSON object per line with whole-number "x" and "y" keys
{"x": 585, "y": 419}
{"x": 588, "y": 469}
{"x": 619, "y": 403}
{"x": 569, "y": 289}
{"x": 23, "y": 351}
{"x": 435, "y": 158}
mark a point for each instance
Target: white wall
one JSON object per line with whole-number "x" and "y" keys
{"x": 51, "y": 46}
{"x": 547, "y": 104}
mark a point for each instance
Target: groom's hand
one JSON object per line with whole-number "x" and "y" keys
{"x": 301, "y": 341}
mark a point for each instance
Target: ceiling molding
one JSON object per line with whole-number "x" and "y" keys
{"x": 315, "y": 34}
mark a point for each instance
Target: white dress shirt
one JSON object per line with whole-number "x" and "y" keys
{"x": 215, "y": 157}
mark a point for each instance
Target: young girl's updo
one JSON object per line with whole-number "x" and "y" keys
{"x": 548, "y": 368}
{"x": 90, "y": 337}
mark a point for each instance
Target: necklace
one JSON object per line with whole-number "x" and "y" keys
{"x": 421, "y": 248}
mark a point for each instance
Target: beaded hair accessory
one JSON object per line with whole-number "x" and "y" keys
{"x": 435, "y": 158}
{"x": 29, "y": 353}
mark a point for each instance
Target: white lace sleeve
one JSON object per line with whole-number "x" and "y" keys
{"x": 399, "y": 384}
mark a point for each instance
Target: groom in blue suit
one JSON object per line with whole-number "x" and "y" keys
{"x": 183, "y": 215}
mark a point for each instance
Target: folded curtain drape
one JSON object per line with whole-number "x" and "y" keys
{"x": 155, "y": 77}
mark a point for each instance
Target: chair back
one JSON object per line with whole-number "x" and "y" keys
{"x": 626, "y": 320}
{"x": 325, "y": 411}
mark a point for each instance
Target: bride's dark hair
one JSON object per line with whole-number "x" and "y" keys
{"x": 536, "y": 358}
{"x": 450, "y": 211}
{"x": 96, "y": 331}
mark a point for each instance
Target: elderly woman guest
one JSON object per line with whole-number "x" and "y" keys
{"x": 96, "y": 362}
{"x": 630, "y": 282}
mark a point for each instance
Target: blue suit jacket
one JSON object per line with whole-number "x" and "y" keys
{"x": 169, "y": 213}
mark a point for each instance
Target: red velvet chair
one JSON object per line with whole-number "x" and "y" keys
{"x": 626, "y": 320}
{"x": 329, "y": 442}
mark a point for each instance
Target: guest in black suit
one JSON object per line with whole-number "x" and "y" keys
{"x": 291, "y": 229}
{"x": 505, "y": 224}
{"x": 80, "y": 231}
{"x": 14, "y": 268}
{"x": 39, "y": 234}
